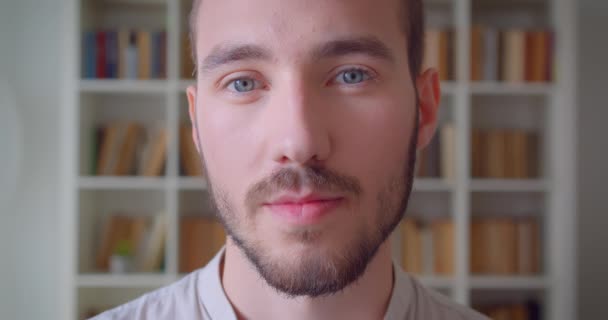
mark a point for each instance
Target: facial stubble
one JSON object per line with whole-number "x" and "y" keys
{"x": 316, "y": 275}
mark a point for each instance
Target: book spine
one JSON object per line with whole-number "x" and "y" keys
{"x": 112, "y": 55}
{"x": 123, "y": 44}
{"x": 101, "y": 55}
{"x": 144, "y": 54}
{"x": 163, "y": 55}
{"x": 477, "y": 57}
{"x": 490, "y": 54}
{"x": 514, "y": 56}
{"x": 88, "y": 55}
{"x": 131, "y": 57}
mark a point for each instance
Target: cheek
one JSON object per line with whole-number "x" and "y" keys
{"x": 373, "y": 142}
{"x": 228, "y": 146}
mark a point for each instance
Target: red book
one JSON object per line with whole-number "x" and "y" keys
{"x": 101, "y": 55}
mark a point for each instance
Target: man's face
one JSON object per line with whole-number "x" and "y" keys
{"x": 306, "y": 117}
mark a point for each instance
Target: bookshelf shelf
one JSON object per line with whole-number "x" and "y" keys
{"x": 183, "y": 85}
{"x": 448, "y": 87}
{"x": 543, "y": 109}
{"x": 123, "y": 281}
{"x": 123, "y": 86}
{"x": 432, "y": 184}
{"x": 509, "y": 185}
{"x": 135, "y": 2}
{"x": 499, "y": 88}
{"x": 436, "y": 282}
{"x": 192, "y": 183}
{"x": 510, "y": 282}
{"x": 118, "y": 183}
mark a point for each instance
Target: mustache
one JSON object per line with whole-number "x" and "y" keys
{"x": 316, "y": 178}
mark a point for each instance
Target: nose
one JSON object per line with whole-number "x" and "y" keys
{"x": 300, "y": 133}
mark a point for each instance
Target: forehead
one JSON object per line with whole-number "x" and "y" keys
{"x": 291, "y": 26}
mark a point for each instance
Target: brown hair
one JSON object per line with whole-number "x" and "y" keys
{"x": 412, "y": 15}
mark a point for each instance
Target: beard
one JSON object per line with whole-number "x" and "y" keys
{"x": 317, "y": 273}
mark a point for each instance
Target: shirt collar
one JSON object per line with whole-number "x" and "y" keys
{"x": 212, "y": 295}
{"x": 401, "y": 297}
{"x": 214, "y": 299}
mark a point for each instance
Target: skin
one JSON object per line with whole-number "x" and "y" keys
{"x": 300, "y": 114}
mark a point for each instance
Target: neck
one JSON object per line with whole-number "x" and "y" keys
{"x": 253, "y": 298}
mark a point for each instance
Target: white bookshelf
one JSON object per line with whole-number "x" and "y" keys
{"x": 548, "y": 108}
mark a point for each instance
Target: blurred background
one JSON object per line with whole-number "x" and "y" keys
{"x": 102, "y": 197}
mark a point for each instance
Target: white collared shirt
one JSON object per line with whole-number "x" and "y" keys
{"x": 200, "y": 296}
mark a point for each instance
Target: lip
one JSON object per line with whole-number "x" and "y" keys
{"x": 303, "y": 210}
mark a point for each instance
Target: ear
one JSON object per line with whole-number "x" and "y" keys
{"x": 429, "y": 94}
{"x": 191, "y": 93}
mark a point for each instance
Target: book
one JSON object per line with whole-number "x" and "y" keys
{"x": 513, "y": 55}
{"x": 187, "y": 65}
{"x": 438, "y": 52}
{"x": 448, "y": 150}
{"x": 189, "y": 157}
{"x": 477, "y": 53}
{"x": 443, "y": 246}
{"x": 123, "y": 43}
{"x": 490, "y": 54}
{"x": 411, "y": 246}
{"x": 163, "y": 55}
{"x": 132, "y": 57}
{"x": 494, "y": 159}
{"x": 509, "y": 311}
{"x": 111, "y": 54}
{"x": 428, "y": 159}
{"x": 117, "y": 148}
{"x": 125, "y": 164}
{"x": 108, "y": 148}
{"x": 119, "y": 228}
{"x": 153, "y": 252}
{"x": 504, "y": 153}
{"x": 201, "y": 238}
{"x": 445, "y": 54}
{"x": 477, "y": 152}
{"x": 144, "y": 56}
{"x": 431, "y": 49}
{"x": 528, "y": 246}
{"x": 154, "y": 154}
{"x": 100, "y": 55}
{"x": 89, "y": 55}
{"x": 493, "y": 246}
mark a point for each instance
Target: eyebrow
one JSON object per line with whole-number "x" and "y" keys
{"x": 231, "y": 53}
{"x": 371, "y": 46}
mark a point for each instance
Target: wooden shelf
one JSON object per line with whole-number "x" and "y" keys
{"x": 509, "y": 282}
{"x": 192, "y": 183}
{"x": 432, "y": 185}
{"x": 509, "y": 185}
{"x": 436, "y": 282}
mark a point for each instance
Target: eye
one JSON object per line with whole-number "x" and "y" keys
{"x": 243, "y": 85}
{"x": 353, "y": 76}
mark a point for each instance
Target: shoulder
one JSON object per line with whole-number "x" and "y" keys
{"x": 443, "y": 308}
{"x": 431, "y": 305}
{"x": 179, "y": 300}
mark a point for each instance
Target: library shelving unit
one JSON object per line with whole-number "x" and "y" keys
{"x": 546, "y": 108}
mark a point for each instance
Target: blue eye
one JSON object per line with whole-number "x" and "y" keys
{"x": 353, "y": 76}
{"x": 243, "y": 85}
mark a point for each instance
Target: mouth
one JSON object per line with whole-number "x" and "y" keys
{"x": 307, "y": 210}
